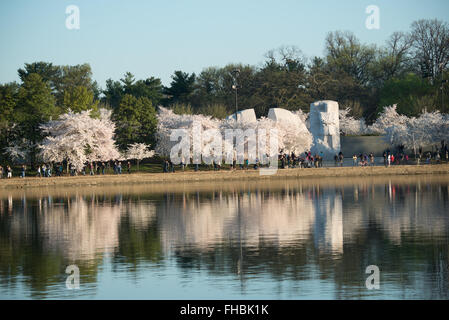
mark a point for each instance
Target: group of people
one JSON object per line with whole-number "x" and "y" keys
{"x": 308, "y": 160}
{"x": 363, "y": 160}
{"x": 168, "y": 166}
{"x": 399, "y": 159}
{"x": 7, "y": 171}
{"x": 47, "y": 170}
{"x": 338, "y": 159}
{"x": 440, "y": 154}
{"x": 287, "y": 160}
{"x": 100, "y": 168}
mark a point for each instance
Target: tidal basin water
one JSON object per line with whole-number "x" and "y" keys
{"x": 292, "y": 239}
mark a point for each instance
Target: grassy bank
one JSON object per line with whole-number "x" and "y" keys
{"x": 223, "y": 175}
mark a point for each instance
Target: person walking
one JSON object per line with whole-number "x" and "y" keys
{"x": 129, "y": 167}
{"x": 282, "y": 161}
{"x": 22, "y": 174}
{"x": 389, "y": 160}
{"x": 9, "y": 172}
{"x": 1, "y": 172}
{"x": 341, "y": 157}
{"x": 354, "y": 161}
{"x": 371, "y": 159}
{"x": 183, "y": 162}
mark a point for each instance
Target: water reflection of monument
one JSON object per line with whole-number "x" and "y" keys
{"x": 81, "y": 227}
{"x": 258, "y": 217}
{"x": 328, "y": 228}
{"x": 284, "y": 233}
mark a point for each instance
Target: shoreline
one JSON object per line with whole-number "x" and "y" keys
{"x": 223, "y": 175}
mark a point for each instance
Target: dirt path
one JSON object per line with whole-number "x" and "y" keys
{"x": 224, "y": 175}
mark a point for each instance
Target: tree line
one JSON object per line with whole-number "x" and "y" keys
{"x": 409, "y": 70}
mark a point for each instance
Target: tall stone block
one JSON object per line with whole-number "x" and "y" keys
{"x": 325, "y": 128}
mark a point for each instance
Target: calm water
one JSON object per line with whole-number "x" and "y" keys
{"x": 242, "y": 240}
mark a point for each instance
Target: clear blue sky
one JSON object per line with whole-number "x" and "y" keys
{"x": 155, "y": 38}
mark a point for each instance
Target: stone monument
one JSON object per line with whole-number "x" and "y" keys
{"x": 279, "y": 114}
{"x": 325, "y": 128}
{"x": 247, "y": 115}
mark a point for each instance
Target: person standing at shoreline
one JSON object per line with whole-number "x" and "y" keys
{"x": 341, "y": 157}
{"x": 371, "y": 158}
{"x": 22, "y": 175}
{"x": 9, "y": 172}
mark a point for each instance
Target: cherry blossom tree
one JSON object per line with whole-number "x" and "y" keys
{"x": 169, "y": 121}
{"x": 304, "y": 116}
{"x": 293, "y": 135}
{"x": 20, "y": 150}
{"x": 351, "y": 126}
{"x": 389, "y": 117}
{"x": 138, "y": 152}
{"x": 427, "y": 129}
{"x": 79, "y": 138}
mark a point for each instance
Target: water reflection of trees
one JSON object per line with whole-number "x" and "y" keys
{"x": 295, "y": 233}
{"x": 40, "y": 237}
